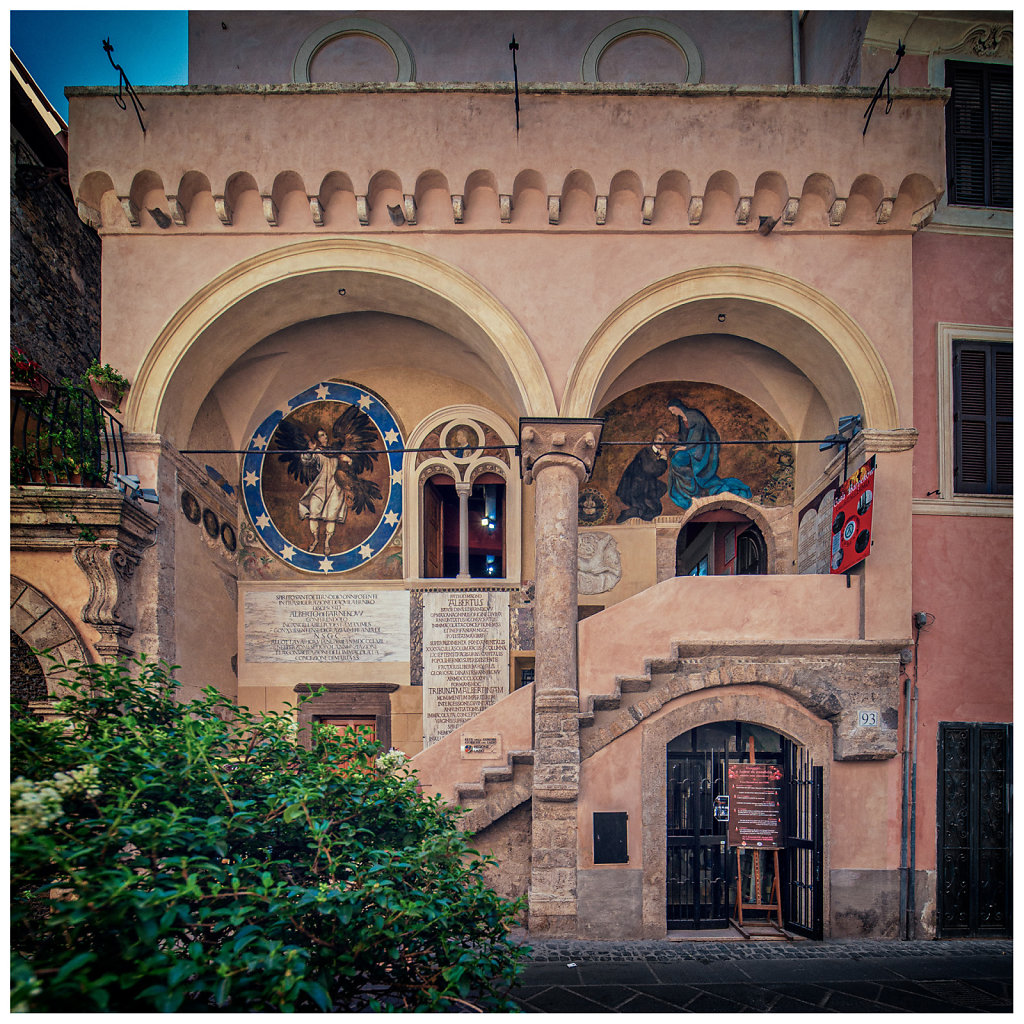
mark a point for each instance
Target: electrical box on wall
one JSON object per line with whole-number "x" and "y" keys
{"x": 610, "y": 837}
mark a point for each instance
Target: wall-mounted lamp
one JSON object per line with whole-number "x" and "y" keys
{"x": 849, "y": 428}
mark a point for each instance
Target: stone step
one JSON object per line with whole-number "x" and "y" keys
{"x": 492, "y": 775}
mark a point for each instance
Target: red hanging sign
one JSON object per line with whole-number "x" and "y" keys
{"x": 851, "y": 519}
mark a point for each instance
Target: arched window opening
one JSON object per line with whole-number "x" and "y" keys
{"x": 464, "y": 528}
{"x": 466, "y": 521}
{"x": 487, "y": 527}
{"x": 721, "y": 543}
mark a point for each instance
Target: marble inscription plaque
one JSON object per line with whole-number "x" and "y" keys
{"x": 326, "y": 625}
{"x": 814, "y": 534}
{"x": 465, "y": 658}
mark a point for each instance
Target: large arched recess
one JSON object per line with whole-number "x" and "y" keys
{"x": 318, "y": 278}
{"x": 784, "y": 314}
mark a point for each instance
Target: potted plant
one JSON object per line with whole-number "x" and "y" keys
{"x": 26, "y": 374}
{"x": 108, "y": 385}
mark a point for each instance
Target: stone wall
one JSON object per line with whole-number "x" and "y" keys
{"x": 55, "y": 271}
{"x": 510, "y": 840}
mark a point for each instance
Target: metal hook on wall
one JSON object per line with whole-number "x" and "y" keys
{"x": 884, "y": 84}
{"x": 124, "y": 84}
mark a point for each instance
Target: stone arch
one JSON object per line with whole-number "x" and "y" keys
{"x": 310, "y": 279}
{"x": 770, "y": 529}
{"x": 749, "y": 703}
{"x": 779, "y": 312}
{"x": 42, "y": 626}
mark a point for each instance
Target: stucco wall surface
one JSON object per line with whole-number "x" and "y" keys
{"x": 259, "y": 46}
{"x": 965, "y": 652}
{"x": 958, "y": 279}
{"x": 528, "y": 274}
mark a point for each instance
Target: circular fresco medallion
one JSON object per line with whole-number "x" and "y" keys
{"x": 189, "y": 505}
{"x": 322, "y": 478}
{"x": 227, "y": 537}
{"x": 211, "y": 523}
{"x": 593, "y": 507}
{"x": 461, "y": 440}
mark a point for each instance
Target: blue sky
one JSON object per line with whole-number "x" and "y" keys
{"x": 62, "y": 48}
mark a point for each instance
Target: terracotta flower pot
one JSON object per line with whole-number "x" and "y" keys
{"x": 106, "y": 394}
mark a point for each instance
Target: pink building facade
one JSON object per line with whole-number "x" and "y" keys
{"x": 508, "y": 410}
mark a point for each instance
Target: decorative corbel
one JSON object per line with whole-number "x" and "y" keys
{"x": 459, "y": 208}
{"x": 884, "y": 212}
{"x": 363, "y": 210}
{"x": 223, "y": 208}
{"x": 177, "y": 211}
{"x": 131, "y": 211}
{"x": 505, "y": 208}
{"x": 792, "y": 208}
{"x": 554, "y": 209}
{"x": 919, "y": 218}
{"x": 836, "y": 213}
{"x": 601, "y": 209}
{"x": 316, "y": 211}
{"x": 87, "y": 215}
{"x": 696, "y": 209}
{"x": 111, "y": 605}
{"x": 743, "y": 209}
{"x": 409, "y": 209}
{"x": 647, "y": 210}
{"x": 269, "y": 210}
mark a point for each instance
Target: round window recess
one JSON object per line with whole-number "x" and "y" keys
{"x": 354, "y": 57}
{"x": 326, "y": 35}
{"x": 632, "y": 39}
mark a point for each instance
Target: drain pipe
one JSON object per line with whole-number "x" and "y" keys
{"x": 796, "y": 17}
{"x": 921, "y": 619}
{"x": 905, "y": 656}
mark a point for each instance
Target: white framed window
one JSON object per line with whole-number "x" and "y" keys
{"x": 960, "y": 490}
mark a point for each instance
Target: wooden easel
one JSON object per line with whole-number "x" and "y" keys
{"x": 775, "y": 896}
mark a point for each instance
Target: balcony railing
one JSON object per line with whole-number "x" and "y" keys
{"x": 64, "y": 437}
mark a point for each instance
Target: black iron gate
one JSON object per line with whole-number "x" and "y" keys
{"x": 700, "y": 867}
{"x": 975, "y": 866}
{"x": 698, "y": 876}
{"x": 802, "y": 862}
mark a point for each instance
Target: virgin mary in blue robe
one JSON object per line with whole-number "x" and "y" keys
{"x": 693, "y": 464}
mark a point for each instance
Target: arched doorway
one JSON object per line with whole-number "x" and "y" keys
{"x": 721, "y": 543}
{"x": 704, "y": 877}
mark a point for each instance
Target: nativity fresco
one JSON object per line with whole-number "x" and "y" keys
{"x": 678, "y": 455}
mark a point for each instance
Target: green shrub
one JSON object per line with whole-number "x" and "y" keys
{"x": 193, "y": 856}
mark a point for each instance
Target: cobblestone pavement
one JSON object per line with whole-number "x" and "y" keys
{"x": 879, "y": 976}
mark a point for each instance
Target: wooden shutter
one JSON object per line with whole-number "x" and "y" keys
{"x": 983, "y": 418}
{"x": 979, "y": 134}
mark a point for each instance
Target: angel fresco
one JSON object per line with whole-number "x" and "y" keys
{"x": 332, "y": 471}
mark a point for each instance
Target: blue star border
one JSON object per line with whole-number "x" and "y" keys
{"x": 252, "y": 481}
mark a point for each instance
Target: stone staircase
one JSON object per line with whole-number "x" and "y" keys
{"x": 804, "y": 670}
{"x": 500, "y": 789}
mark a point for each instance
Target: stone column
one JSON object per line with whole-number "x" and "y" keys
{"x": 557, "y": 454}
{"x": 463, "y": 491}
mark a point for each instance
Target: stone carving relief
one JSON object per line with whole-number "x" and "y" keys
{"x": 600, "y": 564}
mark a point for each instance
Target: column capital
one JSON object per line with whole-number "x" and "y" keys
{"x": 558, "y": 441}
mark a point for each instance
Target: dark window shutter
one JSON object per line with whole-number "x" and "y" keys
{"x": 979, "y": 134}
{"x": 983, "y": 417}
